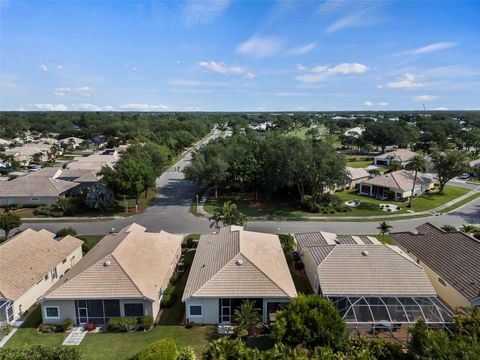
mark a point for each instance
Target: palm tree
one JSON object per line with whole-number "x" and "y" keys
{"x": 467, "y": 229}
{"x": 384, "y": 227}
{"x": 418, "y": 163}
{"x": 246, "y": 316}
{"x": 229, "y": 215}
{"x": 215, "y": 219}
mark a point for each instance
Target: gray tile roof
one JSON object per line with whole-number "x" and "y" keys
{"x": 236, "y": 262}
{"x": 453, "y": 256}
{"x": 320, "y": 238}
{"x": 35, "y": 186}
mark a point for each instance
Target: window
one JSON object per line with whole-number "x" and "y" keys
{"x": 52, "y": 312}
{"x": 133, "y": 309}
{"x": 441, "y": 281}
{"x": 35, "y": 199}
{"x": 195, "y": 310}
{"x": 53, "y": 272}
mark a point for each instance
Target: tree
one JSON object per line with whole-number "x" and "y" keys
{"x": 384, "y": 227}
{"x": 226, "y": 349}
{"x": 246, "y": 316}
{"x": 8, "y": 222}
{"x": 448, "y": 228}
{"x": 165, "y": 349}
{"x": 37, "y": 158}
{"x": 418, "y": 163}
{"x": 467, "y": 229}
{"x": 310, "y": 320}
{"x": 211, "y": 169}
{"x": 65, "y": 205}
{"x": 287, "y": 241}
{"x": 466, "y": 322}
{"x": 229, "y": 215}
{"x": 98, "y": 197}
{"x": 384, "y": 133}
{"x": 448, "y": 165}
{"x": 65, "y": 232}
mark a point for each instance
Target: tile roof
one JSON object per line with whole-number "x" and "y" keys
{"x": 236, "y": 262}
{"x": 321, "y": 238}
{"x": 357, "y": 173}
{"x": 401, "y": 179}
{"x": 368, "y": 270}
{"x": 129, "y": 264}
{"x": 35, "y": 186}
{"x": 399, "y": 154}
{"x": 28, "y": 256}
{"x": 453, "y": 256}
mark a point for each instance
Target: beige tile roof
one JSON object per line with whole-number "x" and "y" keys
{"x": 236, "y": 262}
{"x": 35, "y": 186}
{"x": 399, "y": 154}
{"x": 139, "y": 263}
{"x": 28, "y": 149}
{"x": 28, "y": 256}
{"x": 357, "y": 173}
{"x": 386, "y": 270}
{"x": 401, "y": 179}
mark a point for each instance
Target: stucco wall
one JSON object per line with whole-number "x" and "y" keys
{"x": 209, "y": 310}
{"x": 310, "y": 269}
{"x": 31, "y": 296}
{"x": 28, "y": 200}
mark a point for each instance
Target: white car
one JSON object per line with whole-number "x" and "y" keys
{"x": 464, "y": 176}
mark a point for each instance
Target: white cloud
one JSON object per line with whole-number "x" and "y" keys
{"x": 302, "y": 49}
{"x": 405, "y": 81}
{"x": 202, "y": 12}
{"x": 108, "y": 108}
{"x": 383, "y": 103}
{"x": 221, "y": 68}
{"x": 440, "y": 109}
{"x": 359, "y": 14}
{"x": 431, "y": 48}
{"x": 291, "y": 94}
{"x": 260, "y": 47}
{"x": 44, "y": 67}
{"x": 144, "y": 107}
{"x": 371, "y": 103}
{"x": 322, "y": 72}
{"x": 86, "y": 107}
{"x": 301, "y": 67}
{"x": 82, "y": 91}
{"x": 368, "y": 103}
{"x": 331, "y": 5}
{"x": 425, "y": 98}
{"x": 49, "y": 107}
{"x": 60, "y": 67}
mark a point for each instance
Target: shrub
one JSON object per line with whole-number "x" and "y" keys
{"x": 287, "y": 241}
{"x": 90, "y": 326}
{"x": 41, "y": 352}
{"x": 122, "y": 324}
{"x": 5, "y": 330}
{"x": 449, "y": 228}
{"x": 65, "y": 232}
{"x": 168, "y": 300}
{"x": 67, "y": 324}
{"x": 48, "y": 211}
{"x": 164, "y": 349}
{"x": 186, "y": 353}
{"x": 145, "y": 322}
{"x": 49, "y": 328}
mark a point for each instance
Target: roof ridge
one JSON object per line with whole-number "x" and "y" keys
{"x": 127, "y": 274}
{"x": 333, "y": 247}
{"x": 394, "y": 179}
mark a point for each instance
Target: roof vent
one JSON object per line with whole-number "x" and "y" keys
{"x": 337, "y": 241}
{"x": 365, "y": 253}
{"x": 107, "y": 263}
{"x": 239, "y": 262}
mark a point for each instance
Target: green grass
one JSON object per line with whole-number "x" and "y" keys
{"x": 278, "y": 207}
{"x": 384, "y": 239}
{"x": 358, "y": 164}
{"x": 175, "y": 314}
{"x": 460, "y": 203}
{"x": 89, "y": 241}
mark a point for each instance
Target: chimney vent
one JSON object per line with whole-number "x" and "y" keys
{"x": 239, "y": 262}
{"x": 365, "y": 253}
{"x": 107, "y": 263}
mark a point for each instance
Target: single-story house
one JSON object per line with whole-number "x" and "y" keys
{"x": 356, "y": 175}
{"x": 125, "y": 274}
{"x": 451, "y": 261}
{"x": 397, "y": 185}
{"x": 374, "y": 286}
{"x": 234, "y": 265}
{"x": 355, "y": 132}
{"x": 5, "y": 143}
{"x": 475, "y": 165}
{"x": 34, "y": 190}
{"x": 30, "y": 264}
{"x": 24, "y": 154}
{"x": 402, "y": 156}
{"x": 93, "y": 163}
{"x": 71, "y": 142}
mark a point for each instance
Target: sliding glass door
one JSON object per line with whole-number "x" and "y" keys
{"x": 96, "y": 311}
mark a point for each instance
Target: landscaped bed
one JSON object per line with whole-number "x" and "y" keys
{"x": 368, "y": 206}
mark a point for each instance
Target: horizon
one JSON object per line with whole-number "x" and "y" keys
{"x": 238, "y": 56}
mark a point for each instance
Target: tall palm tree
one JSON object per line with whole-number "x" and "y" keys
{"x": 246, "y": 316}
{"x": 384, "y": 227}
{"x": 418, "y": 163}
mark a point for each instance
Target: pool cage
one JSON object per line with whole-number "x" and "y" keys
{"x": 390, "y": 316}
{"x": 6, "y": 312}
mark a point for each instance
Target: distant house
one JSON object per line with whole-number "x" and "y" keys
{"x": 5, "y": 143}
{"x": 397, "y": 185}
{"x": 34, "y": 190}
{"x": 475, "y": 165}
{"x": 24, "y": 154}
{"x": 125, "y": 274}
{"x": 30, "y": 264}
{"x": 357, "y": 175}
{"x": 401, "y": 156}
{"x": 374, "y": 286}
{"x": 84, "y": 169}
{"x": 71, "y": 142}
{"x": 451, "y": 261}
{"x": 232, "y": 266}
{"x": 355, "y": 132}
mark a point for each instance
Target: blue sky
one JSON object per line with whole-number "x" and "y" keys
{"x": 239, "y": 55}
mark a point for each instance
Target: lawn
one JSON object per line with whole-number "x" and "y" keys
{"x": 358, "y": 164}
{"x": 368, "y": 206}
{"x": 89, "y": 241}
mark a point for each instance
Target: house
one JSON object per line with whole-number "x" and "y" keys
{"x": 125, "y": 274}
{"x": 475, "y": 165}
{"x": 30, "y": 264}
{"x": 71, "y": 142}
{"x": 374, "y": 286}
{"x": 232, "y": 266}
{"x": 451, "y": 261}
{"x": 24, "y": 154}
{"x": 5, "y": 143}
{"x": 33, "y": 190}
{"x": 355, "y": 132}
{"x": 401, "y": 156}
{"x": 396, "y": 185}
{"x": 357, "y": 175}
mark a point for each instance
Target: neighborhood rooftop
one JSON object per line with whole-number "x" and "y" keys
{"x": 402, "y": 155}
{"x": 130, "y": 263}
{"x": 236, "y": 262}
{"x": 401, "y": 179}
{"x": 321, "y": 238}
{"x": 454, "y": 256}
{"x": 28, "y": 256}
{"x": 35, "y": 186}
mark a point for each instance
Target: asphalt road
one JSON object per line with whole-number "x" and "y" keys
{"x": 171, "y": 212}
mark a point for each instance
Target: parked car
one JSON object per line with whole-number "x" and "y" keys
{"x": 464, "y": 176}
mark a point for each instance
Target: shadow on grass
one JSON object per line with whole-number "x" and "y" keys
{"x": 33, "y": 319}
